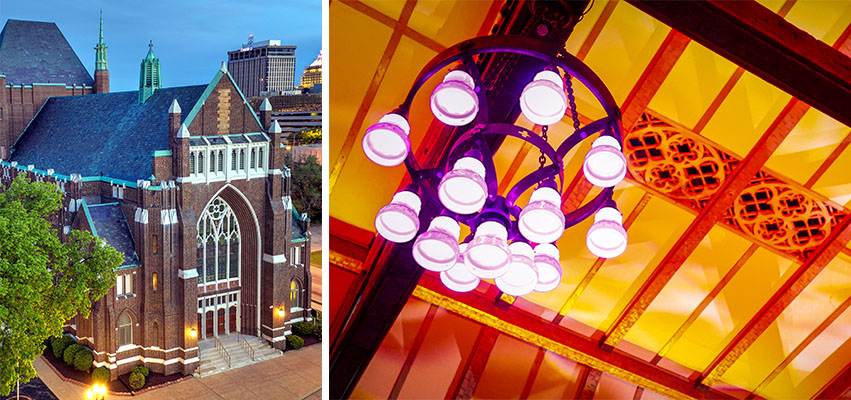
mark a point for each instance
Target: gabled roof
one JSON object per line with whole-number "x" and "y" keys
{"x": 108, "y": 223}
{"x": 101, "y": 134}
{"x": 37, "y": 52}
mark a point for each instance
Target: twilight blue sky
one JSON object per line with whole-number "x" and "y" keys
{"x": 191, "y": 37}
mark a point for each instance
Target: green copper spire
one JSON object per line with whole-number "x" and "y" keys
{"x": 149, "y": 75}
{"x": 100, "y": 54}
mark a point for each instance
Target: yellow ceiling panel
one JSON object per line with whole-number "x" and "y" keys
{"x": 392, "y": 9}
{"x": 757, "y": 280}
{"x": 583, "y": 28}
{"x": 347, "y": 83}
{"x": 715, "y": 255}
{"x": 448, "y": 22}
{"x": 556, "y": 379}
{"x": 773, "y": 5}
{"x": 624, "y": 48}
{"x": 576, "y": 260}
{"x": 817, "y": 364}
{"x": 691, "y": 86}
{"x": 610, "y": 387}
{"x": 824, "y": 20}
{"x": 745, "y": 114}
{"x": 651, "y": 236}
{"x": 807, "y": 146}
{"x": 836, "y": 181}
{"x": 357, "y": 196}
{"x": 830, "y": 288}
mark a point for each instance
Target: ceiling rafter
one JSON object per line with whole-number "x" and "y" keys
{"x": 713, "y": 211}
{"x": 480, "y": 307}
{"x": 838, "y": 239}
{"x": 839, "y": 386}
{"x": 766, "y": 45}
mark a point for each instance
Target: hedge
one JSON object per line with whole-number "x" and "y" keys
{"x": 83, "y": 359}
{"x": 137, "y": 380}
{"x": 141, "y": 369}
{"x": 59, "y": 344}
{"x": 303, "y": 328}
{"x": 70, "y": 353}
{"x": 100, "y": 375}
{"x": 294, "y": 342}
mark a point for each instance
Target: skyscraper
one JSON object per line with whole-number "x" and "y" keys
{"x": 312, "y": 73}
{"x": 265, "y": 66}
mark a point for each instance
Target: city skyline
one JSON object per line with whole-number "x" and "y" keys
{"x": 190, "y": 44}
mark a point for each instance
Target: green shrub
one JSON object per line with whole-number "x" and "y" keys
{"x": 70, "y": 353}
{"x": 295, "y": 342}
{"x": 303, "y": 328}
{"x": 83, "y": 359}
{"x": 137, "y": 380}
{"x": 141, "y": 369}
{"x": 317, "y": 330}
{"x": 59, "y": 344}
{"x": 100, "y": 375}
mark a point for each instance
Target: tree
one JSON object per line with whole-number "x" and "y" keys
{"x": 306, "y": 186}
{"x": 43, "y": 282}
{"x": 308, "y": 136}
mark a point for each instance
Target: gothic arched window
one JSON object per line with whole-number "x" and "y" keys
{"x": 125, "y": 330}
{"x": 295, "y": 294}
{"x": 217, "y": 241}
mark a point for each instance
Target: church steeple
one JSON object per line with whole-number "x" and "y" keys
{"x": 149, "y": 75}
{"x": 101, "y": 70}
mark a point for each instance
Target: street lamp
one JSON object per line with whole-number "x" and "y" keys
{"x": 98, "y": 391}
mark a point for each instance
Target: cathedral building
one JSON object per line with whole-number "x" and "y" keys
{"x": 188, "y": 183}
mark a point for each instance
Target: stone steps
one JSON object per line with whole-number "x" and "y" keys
{"x": 213, "y": 362}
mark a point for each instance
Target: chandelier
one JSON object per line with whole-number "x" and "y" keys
{"x": 513, "y": 245}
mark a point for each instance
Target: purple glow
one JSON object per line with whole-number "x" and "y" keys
{"x": 454, "y": 101}
{"x": 399, "y": 221}
{"x": 522, "y": 276}
{"x": 386, "y": 143}
{"x": 549, "y": 267}
{"x": 437, "y": 248}
{"x": 459, "y": 278}
{"x": 607, "y": 238}
{"x": 543, "y": 100}
{"x": 605, "y": 164}
{"x": 487, "y": 255}
{"x": 463, "y": 190}
{"x": 542, "y": 221}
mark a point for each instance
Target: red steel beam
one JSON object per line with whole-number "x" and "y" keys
{"x": 481, "y": 307}
{"x": 838, "y": 386}
{"x": 765, "y": 44}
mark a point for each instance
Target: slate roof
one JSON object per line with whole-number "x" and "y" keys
{"x": 37, "y": 52}
{"x": 110, "y": 225}
{"x": 107, "y": 134}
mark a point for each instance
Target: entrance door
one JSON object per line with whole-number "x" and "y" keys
{"x": 209, "y": 321}
{"x": 220, "y": 325}
{"x": 220, "y": 314}
{"x": 232, "y": 321}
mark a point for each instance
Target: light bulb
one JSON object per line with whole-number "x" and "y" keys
{"x": 549, "y": 267}
{"x": 543, "y": 100}
{"x": 607, "y": 238}
{"x": 522, "y": 276}
{"x": 542, "y": 221}
{"x": 437, "y": 248}
{"x": 459, "y": 278}
{"x": 488, "y": 256}
{"x": 399, "y": 221}
{"x": 454, "y": 101}
{"x": 386, "y": 143}
{"x": 605, "y": 164}
{"x": 463, "y": 190}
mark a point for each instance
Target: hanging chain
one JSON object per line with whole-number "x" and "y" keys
{"x": 572, "y": 101}
{"x": 543, "y": 159}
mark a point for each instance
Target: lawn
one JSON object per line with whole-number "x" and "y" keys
{"x": 316, "y": 258}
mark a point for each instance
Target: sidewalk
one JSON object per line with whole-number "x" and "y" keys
{"x": 295, "y": 375}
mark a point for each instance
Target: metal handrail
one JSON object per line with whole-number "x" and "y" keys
{"x": 245, "y": 343}
{"x": 224, "y": 353}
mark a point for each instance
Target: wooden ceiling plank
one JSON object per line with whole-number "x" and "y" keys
{"x": 716, "y": 102}
{"x": 594, "y": 33}
{"x": 838, "y": 387}
{"x": 533, "y": 372}
{"x": 714, "y": 210}
{"x": 475, "y": 367}
{"x": 704, "y": 303}
{"x": 480, "y": 307}
{"x": 804, "y": 343}
{"x": 412, "y": 353}
{"x": 763, "y": 43}
{"x": 833, "y": 245}
{"x": 583, "y": 284}
{"x": 369, "y": 96}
